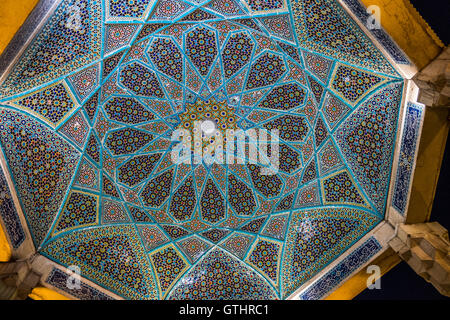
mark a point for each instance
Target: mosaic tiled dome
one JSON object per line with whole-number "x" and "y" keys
{"x": 88, "y": 111}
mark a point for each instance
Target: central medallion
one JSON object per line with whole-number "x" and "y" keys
{"x": 211, "y": 119}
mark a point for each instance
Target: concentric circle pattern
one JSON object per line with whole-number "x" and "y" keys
{"x": 89, "y": 116}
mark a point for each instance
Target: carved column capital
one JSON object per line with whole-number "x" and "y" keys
{"x": 17, "y": 280}
{"x": 434, "y": 81}
{"x": 426, "y": 249}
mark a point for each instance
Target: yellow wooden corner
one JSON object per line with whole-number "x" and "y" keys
{"x": 5, "y": 249}
{"x": 41, "y": 293}
{"x": 429, "y": 161}
{"x": 425, "y": 24}
{"x": 409, "y": 30}
{"x": 12, "y": 15}
{"x": 358, "y": 283}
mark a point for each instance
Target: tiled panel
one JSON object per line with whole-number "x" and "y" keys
{"x": 403, "y": 178}
{"x": 345, "y": 268}
{"x": 385, "y": 40}
{"x": 8, "y": 213}
{"x": 60, "y": 280}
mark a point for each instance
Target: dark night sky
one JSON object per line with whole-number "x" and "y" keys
{"x": 437, "y": 14}
{"x": 402, "y": 283}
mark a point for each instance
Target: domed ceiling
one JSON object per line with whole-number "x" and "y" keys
{"x": 87, "y": 117}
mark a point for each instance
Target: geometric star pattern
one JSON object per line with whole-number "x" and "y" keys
{"x": 87, "y": 121}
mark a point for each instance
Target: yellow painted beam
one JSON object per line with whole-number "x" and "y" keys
{"x": 5, "y": 249}
{"x": 428, "y": 167}
{"x": 358, "y": 283}
{"x": 409, "y": 30}
{"x": 12, "y": 15}
{"x": 41, "y": 293}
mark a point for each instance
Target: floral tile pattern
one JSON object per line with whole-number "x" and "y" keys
{"x": 88, "y": 112}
